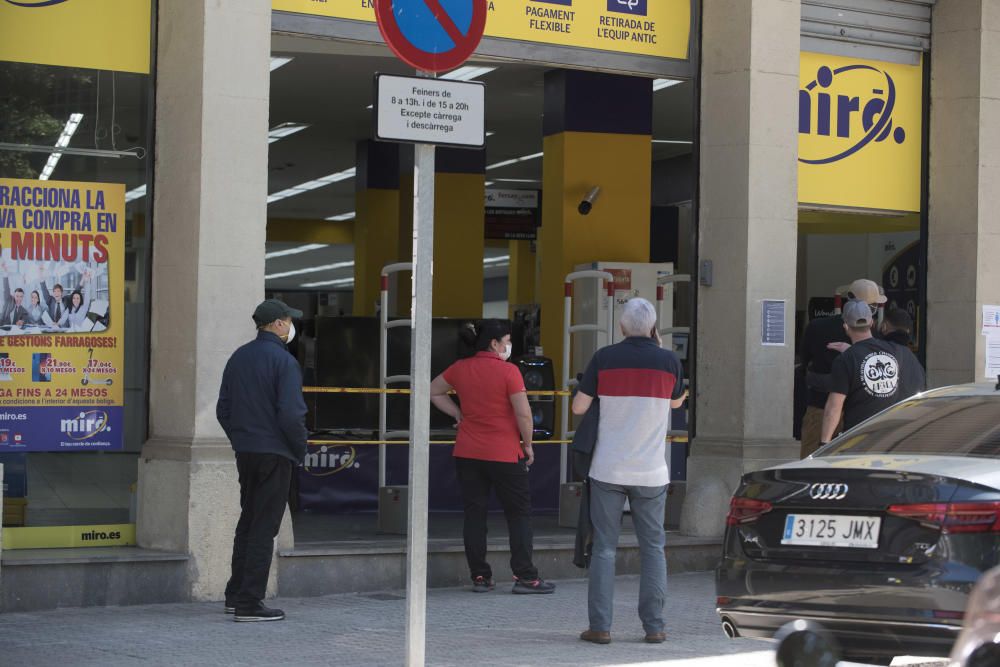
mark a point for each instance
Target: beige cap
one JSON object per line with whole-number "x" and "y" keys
{"x": 863, "y": 290}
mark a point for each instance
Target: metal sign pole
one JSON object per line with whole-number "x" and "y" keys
{"x": 383, "y": 371}
{"x": 420, "y": 403}
{"x": 564, "y": 407}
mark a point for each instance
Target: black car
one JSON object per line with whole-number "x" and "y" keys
{"x": 879, "y": 537}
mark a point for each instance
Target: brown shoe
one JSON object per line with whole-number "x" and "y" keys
{"x": 596, "y": 637}
{"x": 656, "y": 638}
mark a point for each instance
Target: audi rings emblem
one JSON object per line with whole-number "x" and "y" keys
{"x": 828, "y": 491}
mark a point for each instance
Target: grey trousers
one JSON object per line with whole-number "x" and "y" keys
{"x": 647, "y": 504}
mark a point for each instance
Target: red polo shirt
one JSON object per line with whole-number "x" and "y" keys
{"x": 488, "y": 431}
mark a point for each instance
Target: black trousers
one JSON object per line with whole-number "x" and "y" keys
{"x": 476, "y": 478}
{"x": 264, "y": 482}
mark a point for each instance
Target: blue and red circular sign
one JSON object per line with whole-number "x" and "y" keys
{"x": 432, "y": 35}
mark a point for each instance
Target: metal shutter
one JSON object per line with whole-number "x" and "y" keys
{"x": 892, "y": 30}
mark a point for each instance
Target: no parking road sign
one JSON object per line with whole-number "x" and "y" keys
{"x": 432, "y": 35}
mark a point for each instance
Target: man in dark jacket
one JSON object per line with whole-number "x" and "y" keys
{"x": 897, "y": 327}
{"x": 263, "y": 413}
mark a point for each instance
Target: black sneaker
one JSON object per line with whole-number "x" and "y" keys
{"x": 258, "y": 613}
{"x": 230, "y": 607}
{"x": 532, "y": 587}
{"x": 483, "y": 585}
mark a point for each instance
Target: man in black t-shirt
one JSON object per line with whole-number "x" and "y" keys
{"x": 817, "y": 353}
{"x": 870, "y": 376}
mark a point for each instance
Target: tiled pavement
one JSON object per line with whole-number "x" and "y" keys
{"x": 368, "y": 629}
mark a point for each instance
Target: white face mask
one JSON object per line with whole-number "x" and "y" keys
{"x": 505, "y": 355}
{"x": 291, "y": 333}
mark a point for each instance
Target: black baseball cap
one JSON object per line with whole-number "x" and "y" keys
{"x": 270, "y": 310}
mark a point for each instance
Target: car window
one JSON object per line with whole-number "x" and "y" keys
{"x": 944, "y": 426}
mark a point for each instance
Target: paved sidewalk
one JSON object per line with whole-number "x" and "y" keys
{"x": 463, "y": 629}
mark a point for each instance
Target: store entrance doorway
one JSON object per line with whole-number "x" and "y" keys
{"x": 340, "y": 208}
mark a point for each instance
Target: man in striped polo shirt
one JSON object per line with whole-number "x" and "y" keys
{"x": 637, "y": 383}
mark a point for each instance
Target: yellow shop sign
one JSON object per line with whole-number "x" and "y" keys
{"x": 658, "y": 28}
{"x": 860, "y": 133}
{"x": 93, "y": 34}
{"x": 66, "y": 537}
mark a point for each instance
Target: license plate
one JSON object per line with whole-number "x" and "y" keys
{"x": 832, "y": 530}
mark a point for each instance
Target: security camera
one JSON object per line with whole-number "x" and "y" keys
{"x": 588, "y": 202}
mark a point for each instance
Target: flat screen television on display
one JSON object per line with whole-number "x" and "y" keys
{"x": 346, "y": 354}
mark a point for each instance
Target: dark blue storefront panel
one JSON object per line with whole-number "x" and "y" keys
{"x": 344, "y": 480}
{"x": 61, "y": 429}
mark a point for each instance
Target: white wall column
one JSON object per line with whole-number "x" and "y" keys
{"x": 209, "y": 220}
{"x": 748, "y": 229}
{"x": 964, "y": 227}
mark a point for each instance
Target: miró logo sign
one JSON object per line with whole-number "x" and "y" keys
{"x": 328, "y": 461}
{"x": 829, "y": 100}
{"x": 86, "y": 425}
{"x": 35, "y": 3}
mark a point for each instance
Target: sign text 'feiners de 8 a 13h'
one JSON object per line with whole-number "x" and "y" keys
{"x": 62, "y": 317}
{"x": 430, "y": 111}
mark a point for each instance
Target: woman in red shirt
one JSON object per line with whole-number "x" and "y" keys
{"x": 492, "y": 450}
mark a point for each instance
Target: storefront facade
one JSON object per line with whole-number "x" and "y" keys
{"x": 806, "y": 125}
{"x": 77, "y": 157}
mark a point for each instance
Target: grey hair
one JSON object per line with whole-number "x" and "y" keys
{"x": 638, "y": 317}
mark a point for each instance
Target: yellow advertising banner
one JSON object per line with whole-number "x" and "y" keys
{"x": 659, "y": 28}
{"x": 59, "y": 537}
{"x": 62, "y": 320}
{"x": 860, "y": 133}
{"x": 94, "y": 34}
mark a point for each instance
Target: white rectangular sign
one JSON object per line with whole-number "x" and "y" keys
{"x": 991, "y": 319}
{"x": 430, "y": 111}
{"x": 772, "y": 322}
{"x": 499, "y": 198}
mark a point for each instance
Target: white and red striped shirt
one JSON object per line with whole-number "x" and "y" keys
{"x": 635, "y": 381}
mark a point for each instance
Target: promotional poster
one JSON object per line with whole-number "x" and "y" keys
{"x": 61, "y": 315}
{"x": 660, "y": 29}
